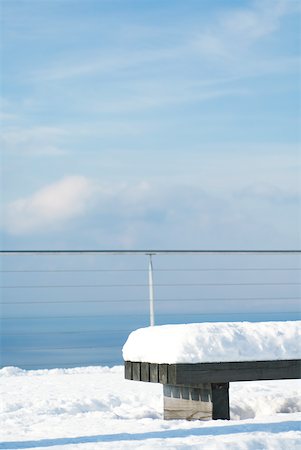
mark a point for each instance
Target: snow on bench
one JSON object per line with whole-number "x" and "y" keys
{"x": 196, "y": 362}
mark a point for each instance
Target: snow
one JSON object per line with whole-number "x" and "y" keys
{"x": 214, "y": 342}
{"x": 96, "y": 408}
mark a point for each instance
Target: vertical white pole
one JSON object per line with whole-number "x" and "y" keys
{"x": 151, "y": 291}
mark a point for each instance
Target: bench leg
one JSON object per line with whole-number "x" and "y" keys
{"x": 220, "y": 401}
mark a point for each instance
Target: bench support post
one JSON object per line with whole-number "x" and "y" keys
{"x": 220, "y": 401}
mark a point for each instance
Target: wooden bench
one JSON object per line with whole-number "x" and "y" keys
{"x": 201, "y": 391}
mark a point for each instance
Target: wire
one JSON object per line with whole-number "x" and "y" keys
{"x": 63, "y": 348}
{"x": 144, "y": 285}
{"x": 159, "y": 300}
{"x": 75, "y": 270}
{"x": 155, "y": 270}
{"x": 148, "y": 252}
{"x": 79, "y": 332}
{"x": 60, "y": 332}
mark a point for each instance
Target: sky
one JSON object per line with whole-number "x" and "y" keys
{"x": 133, "y": 124}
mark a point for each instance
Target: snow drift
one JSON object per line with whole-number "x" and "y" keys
{"x": 93, "y": 408}
{"x": 213, "y": 342}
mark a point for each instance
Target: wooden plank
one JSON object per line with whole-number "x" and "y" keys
{"x": 136, "y": 371}
{"x": 171, "y": 374}
{"x": 154, "y": 373}
{"x": 163, "y": 373}
{"x": 145, "y": 375}
{"x": 195, "y": 374}
{"x": 128, "y": 370}
{"x": 220, "y": 401}
{"x": 223, "y": 372}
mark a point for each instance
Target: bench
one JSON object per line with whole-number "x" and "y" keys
{"x": 196, "y": 362}
{"x": 201, "y": 390}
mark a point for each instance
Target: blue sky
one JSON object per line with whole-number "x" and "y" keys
{"x": 150, "y": 124}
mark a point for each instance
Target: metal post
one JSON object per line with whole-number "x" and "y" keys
{"x": 151, "y": 291}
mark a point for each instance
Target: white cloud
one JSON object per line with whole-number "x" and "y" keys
{"x": 50, "y": 207}
{"x": 159, "y": 214}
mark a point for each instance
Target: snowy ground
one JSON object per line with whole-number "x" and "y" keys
{"x": 95, "y": 408}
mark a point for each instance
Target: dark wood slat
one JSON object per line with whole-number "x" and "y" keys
{"x": 223, "y": 372}
{"x": 154, "y": 373}
{"x": 136, "y": 371}
{"x": 171, "y": 373}
{"x": 163, "y": 373}
{"x": 195, "y": 374}
{"x": 128, "y": 370}
{"x": 145, "y": 375}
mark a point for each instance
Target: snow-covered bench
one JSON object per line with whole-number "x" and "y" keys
{"x": 196, "y": 362}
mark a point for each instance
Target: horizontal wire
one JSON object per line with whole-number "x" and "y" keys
{"x": 149, "y": 251}
{"x": 79, "y": 332}
{"x": 155, "y": 270}
{"x": 81, "y": 270}
{"x": 60, "y": 332}
{"x": 101, "y": 317}
{"x": 62, "y": 348}
{"x": 145, "y": 285}
{"x": 159, "y": 300}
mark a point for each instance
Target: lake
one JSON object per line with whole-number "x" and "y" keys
{"x": 37, "y": 343}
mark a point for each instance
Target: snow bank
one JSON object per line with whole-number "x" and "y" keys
{"x": 213, "y": 342}
{"x": 93, "y": 408}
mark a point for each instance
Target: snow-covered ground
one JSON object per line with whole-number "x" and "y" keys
{"x": 216, "y": 341}
{"x": 95, "y": 408}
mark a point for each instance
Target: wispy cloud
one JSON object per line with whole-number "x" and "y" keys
{"x": 34, "y": 140}
{"x": 103, "y": 63}
{"x": 203, "y": 64}
{"x": 150, "y": 96}
{"x": 237, "y": 30}
{"x": 7, "y": 116}
{"x": 224, "y": 39}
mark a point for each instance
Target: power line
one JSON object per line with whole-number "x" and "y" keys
{"x": 98, "y": 316}
{"x": 76, "y": 270}
{"x": 146, "y": 252}
{"x": 217, "y": 269}
{"x": 61, "y": 332}
{"x": 63, "y": 348}
{"x": 105, "y": 332}
{"x": 51, "y": 286}
{"x": 159, "y": 300}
